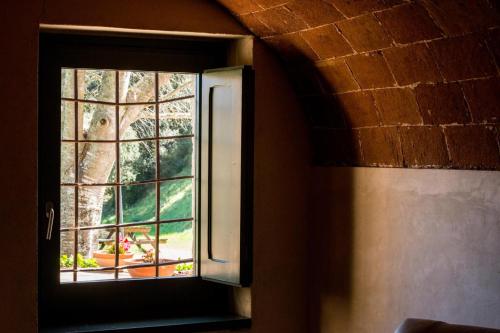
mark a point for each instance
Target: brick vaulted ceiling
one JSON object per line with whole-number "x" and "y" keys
{"x": 394, "y": 83}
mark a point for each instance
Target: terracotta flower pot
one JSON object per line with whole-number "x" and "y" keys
{"x": 145, "y": 272}
{"x": 105, "y": 259}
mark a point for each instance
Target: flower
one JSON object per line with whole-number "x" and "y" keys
{"x": 126, "y": 244}
{"x": 123, "y": 247}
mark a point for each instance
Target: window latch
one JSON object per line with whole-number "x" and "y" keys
{"x": 49, "y": 213}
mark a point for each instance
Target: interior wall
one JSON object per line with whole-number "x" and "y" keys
{"x": 278, "y": 292}
{"x": 388, "y": 244}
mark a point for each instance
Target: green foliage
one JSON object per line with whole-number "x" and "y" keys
{"x": 85, "y": 262}
{"x": 176, "y": 157}
{"x": 184, "y": 267}
{"x": 110, "y": 249}
{"x": 67, "y": 262}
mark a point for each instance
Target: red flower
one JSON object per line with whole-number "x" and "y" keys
{"x": 126, "y": 244}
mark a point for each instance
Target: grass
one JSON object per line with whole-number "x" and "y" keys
{"x": 175, "y": 200}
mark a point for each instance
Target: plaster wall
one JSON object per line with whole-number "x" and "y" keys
{"x": 395, "y": 243}
{"x": 281, "y": 153}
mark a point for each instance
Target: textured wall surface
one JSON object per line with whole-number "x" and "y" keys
{"x": 397, "y": 83}
{"x": 395, "y": 243}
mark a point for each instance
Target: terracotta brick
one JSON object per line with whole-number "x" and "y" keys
{"x": 483, "y": 98}
{"x": 315, "y": 12}
{"x": 280, "y": 20}
{"x": 270, "y": 3}
{"x": 397, "y": 106}
{"x": 322, "y": 111}
{"x": 352, "y": 8}
{"x": 462, "y": 57}
{"x": 292, "y": 47}
{"x": 371, "y": 70}
{"x": 364, "y": 33}
{"x": 358, "y": 108}
{"x": 257, "y": 27}
{"x": 423, "y": 146}
{"x": 381, "y": 146}
{"x": 411, "y": 64}
{"x": 408, "y": 23}
{"x": 336, "y": 76}
{"x": 442, "y": 104}
{"x": 241, "y": 7}
{"x": 336, "y": 146}
{"x": 493, "y": 41}
{"x": 327, "y": 42}
{"x": 457, "y": 17}
{"x": 473, "y": 146}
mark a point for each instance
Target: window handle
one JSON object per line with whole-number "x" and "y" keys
{"x": 49, "y": 213}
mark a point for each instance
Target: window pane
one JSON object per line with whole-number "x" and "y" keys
{"x": 108, "y": 215}
{"x": 177, "y": 244}
{"x": 176, "y": 199}
{"x": 96, "y": 85}
{"x": 176, "y": 118}
{"x": 136, "y": 87}
{"x": 137, "y": 161}
{"x": 176, "y": 157}
{"x": 67, "y": 248}
{"x": 96, "y": 162}
{"x": 96, "y": 249}
{"x": 67, "y": 83}
{"x": 68, "y": 162}
{"x": 142, "y": 120}
{"x": 66, "y": 255}
{"x": 177, "y": 240}
{"x": 66, "y": 277}
{"x": 139, "y": 203}
{"x": 140, "y": 241}
{"x": 96, "y": 205}
{"x": 94, "y": 174}
{"x": 96, "y": 122}
{"x": 67, "y": 120}
{"x": 175, "y": 85}
{"x": 67, "y": 206}
{"x": 95, "y": 276}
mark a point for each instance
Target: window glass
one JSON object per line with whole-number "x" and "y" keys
{"x": 127, "y": 177}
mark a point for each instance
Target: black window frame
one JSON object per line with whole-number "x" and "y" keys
{"x": 114, "y": 300}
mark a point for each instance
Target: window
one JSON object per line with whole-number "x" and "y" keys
{"x": 127, "y": 174}
{"x": 145, "y": 167}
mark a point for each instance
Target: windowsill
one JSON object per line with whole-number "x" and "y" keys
{"x": 188, "y": 324}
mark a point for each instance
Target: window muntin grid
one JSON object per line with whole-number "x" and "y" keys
{"x": 73, "y": 101}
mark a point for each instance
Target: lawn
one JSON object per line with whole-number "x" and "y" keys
{"x": 176, "y": 202}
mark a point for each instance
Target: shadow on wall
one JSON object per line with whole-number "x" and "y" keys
{"x": 331, "y": 246}
{"x": 331, "y": 241}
